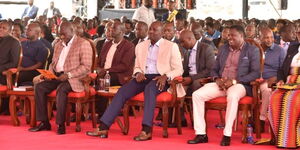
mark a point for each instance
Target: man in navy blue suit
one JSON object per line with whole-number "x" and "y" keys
{"x": 30, "y": 11}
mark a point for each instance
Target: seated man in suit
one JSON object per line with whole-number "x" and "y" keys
{"x": 10, "y": 52}
{"x": 35, "y": 55}
{"x": 30, "y": 11}
{"x": 100, "y": 43}
{"x": 169, "y": 32}
{"x": 72, "y": 60}
{"x": 141, "y": 32}
{"x": 157, "y": 60}
{"x": 237, "y": 64}
{"x": 129, "y": 34}
{"x": 117, "y": 57}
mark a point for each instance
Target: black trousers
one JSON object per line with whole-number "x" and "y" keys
{"x": 26, "y": 77}
{"x": 42, "y": 90}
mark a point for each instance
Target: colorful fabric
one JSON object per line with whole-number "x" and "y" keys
{"x": 284, "y": 114}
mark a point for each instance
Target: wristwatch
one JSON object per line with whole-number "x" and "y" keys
{"x": 69, "y": 75}
{"x": 234, "y": 82}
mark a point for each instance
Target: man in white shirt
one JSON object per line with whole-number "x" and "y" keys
{"x": 144, "y": 13}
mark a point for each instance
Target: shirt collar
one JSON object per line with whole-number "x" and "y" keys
{"x": 240, "y": 48}
{"x": 70, "y": 42}
{"x": 173, "y": 39}
{"x": 195, "y": 46}
{"x": 271, "y": 47}
{"x": 157, "y": 43}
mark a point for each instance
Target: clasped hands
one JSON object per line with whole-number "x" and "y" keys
{"x": 224, "y": 83}
{"x": 160, "y": 80}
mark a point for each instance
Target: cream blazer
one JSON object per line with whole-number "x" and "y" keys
{"x": 168, "y": 61}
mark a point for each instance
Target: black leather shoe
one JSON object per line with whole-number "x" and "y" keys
{"x": 61, "y": 129}
{"x": 43, "y": 126}
{"x": 198, "y": 139}
{"x": 225, "y": 141}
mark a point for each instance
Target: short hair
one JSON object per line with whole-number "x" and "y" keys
{"x": 285, "y": 28}
{"x": 209, "y": 24}
{"x": 143, "y": 24}
{"x": 239, "y": 29}
{"x": 20, "y": 26}
{"x": 130, "y": 23}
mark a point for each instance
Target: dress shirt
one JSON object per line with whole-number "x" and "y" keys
{"x": 274, "y": 57}
{"x": 63, "y": 55}
{"x": 28, "y": 11}
{"x": 284, "y": 45}
{"x": 144, "y": 14}
{"x": 216, "y": 35}
{"x": 296, "y": 59}
{"x": 192, "y": 60}
{"x": 152, "y": 58}
{"x": 33, "y": 52}
{"x": 231, "y": 65}
{"x": 50, "y": 13}
{"x": 110, "y": 55}
{"x": 142, "y": 40}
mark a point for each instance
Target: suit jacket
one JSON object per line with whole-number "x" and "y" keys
{"x": 56, "y": 12}
{"x": 205, "y": 59}
{"x": 284, "y": 70}
{"x": 135, "y": 41}
{"x": 33, "y": 12}
{"x": 248, "y": 65}
{"x": 168, "y": 61}
{"x": 130, "y": 37}
{"x": 99, "y": 46}
{"x": 123, "y": 60}
{"x": 78, "y": 61}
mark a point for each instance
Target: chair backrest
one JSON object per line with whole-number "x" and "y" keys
{"x": 46, "y": 66}
{"x": 9, "y": 78}
{"x": 94, "y": 55}
{"x": 262, "y": 54}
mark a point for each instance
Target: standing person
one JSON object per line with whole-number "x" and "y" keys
{"x": 30, "y": 11}
{"x": 237, "y": 64}
{"x": 72, "y": 60}
{"x": 51, "y": 11}
{"x": 145, "y": 13}
{"x": 157, "y": 60}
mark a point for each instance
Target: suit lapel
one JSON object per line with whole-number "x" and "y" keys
{"x": 198, "y": 55}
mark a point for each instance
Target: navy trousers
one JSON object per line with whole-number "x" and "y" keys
{"x": 129, "y": 90}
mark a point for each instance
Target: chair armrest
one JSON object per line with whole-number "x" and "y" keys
{"x": 86, "y": 83}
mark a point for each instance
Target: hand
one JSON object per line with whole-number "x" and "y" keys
{"x": 279, "y": 83}
{"x": 63, "y": 77}
{"x": 228, "y": 83}
{"x": 101, "y": 72}
{"x": 220, "y": 83}
{"x": 187, "y": 81}
{"x": 271, "y": 81}
{"x": 161, "y": 82}
{"x": 140, "y": 77}
{"x": 4, "y": 73}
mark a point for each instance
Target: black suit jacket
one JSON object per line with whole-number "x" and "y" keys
{"x": 123, "y": 59}
{"x": 284, "y": 71}
{"x": 130, "y": 37}
{"x": 205, "y": 59}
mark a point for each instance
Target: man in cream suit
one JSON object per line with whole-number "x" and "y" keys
{"x": 157, "y": 60}
{"x": 72, "y": 60}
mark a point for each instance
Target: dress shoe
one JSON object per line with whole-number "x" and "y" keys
{"x": 61, "y": 129}
{"x": 43, "y": 126}
{"x": 225, "y": 141}
{"x": 199, "y": 139}
{"x": 143, "y": 136}
{"x": 97, "y": 132}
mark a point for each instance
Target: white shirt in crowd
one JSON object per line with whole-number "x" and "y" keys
{"x": 144, "y": 14}
{"x": 63, "y": 55}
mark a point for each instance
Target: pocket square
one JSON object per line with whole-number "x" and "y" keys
{"x": 245, "y": 57}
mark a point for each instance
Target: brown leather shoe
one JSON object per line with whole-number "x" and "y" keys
{"x": 143, "y": 136}
{"x": 97, "y": 132}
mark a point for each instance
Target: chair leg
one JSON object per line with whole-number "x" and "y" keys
{"x": 165, "y": 113}
{"x": 257, "y": 122}
{"x": 190, "y": 103}
{"x": 236, "y": 121}
{"x": 244, "y": 124}
{"x": 13, "y": 111}
{"x": 134, "y": 111}
{"x": 178, "y": 119}
{"x": 78, "y": 115}
{"x": 94, "y": 122}
{"x": 26, "y": 109}
{"x": 32, "y": 112}
{"x": 68, "y": 114}
{"x": 126, "y": 119}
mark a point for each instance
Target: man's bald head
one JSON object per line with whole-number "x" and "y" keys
{"x": 266, "y": 37}
{"x": 155, "y": 31}
{"x": 197, "y": 30}
{"x": 66, "y": 31}
{"x": 187, "y": 39}
{"x": 33, "y": 31}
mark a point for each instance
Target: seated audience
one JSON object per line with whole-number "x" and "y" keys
{"x": 141, "y": 32}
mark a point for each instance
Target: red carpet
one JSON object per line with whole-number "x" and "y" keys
{"x": 18, "y": 138}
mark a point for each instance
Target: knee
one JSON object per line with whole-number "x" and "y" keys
{"x": 150, "y": 87}
{"x": 40, "y": 87}
{"x": 233, "y": 98}
{"x": 62, "y": 88}
{"x": 197, "y": 96}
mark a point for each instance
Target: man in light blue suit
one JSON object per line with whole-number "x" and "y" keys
{"x": 237, "y": 64}
{"x": 30, "y": 11}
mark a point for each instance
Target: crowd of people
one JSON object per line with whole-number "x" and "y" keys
{"x": 141, "y": 54}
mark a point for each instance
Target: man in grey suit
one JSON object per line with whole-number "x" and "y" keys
{"x": 51, "y": 11}
{"x": 30, "y": 11}
{"x": 237, "y": 64}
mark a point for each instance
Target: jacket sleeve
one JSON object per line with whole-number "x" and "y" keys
{"x": 176, "y": 63}
{"x": 14, "y": 56}
{"x": 126, "y": 60}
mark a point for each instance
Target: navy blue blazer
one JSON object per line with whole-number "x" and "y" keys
{"x": 33, "y": 12}
{"x": 248, "y": 66}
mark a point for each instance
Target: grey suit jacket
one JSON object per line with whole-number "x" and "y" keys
{"x": 205, "y": 59}
{"x": 248, "y": 66}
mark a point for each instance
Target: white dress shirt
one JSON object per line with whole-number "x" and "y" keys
{"x": 192, "y": 60}
{"x": 63, "y": 55}
{"x": 152, "y": 58}
{"x": 110, "y": 55}
{"x": 144, "y": 14}
{"x": 50, "y": 13}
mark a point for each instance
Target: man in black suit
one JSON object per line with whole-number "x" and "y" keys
{"x": 100, "y": 43}
{"x": 141, "y": 32}
{"x": 129, "y": 34}
{"x": 52, "y": 11}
